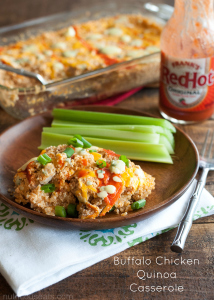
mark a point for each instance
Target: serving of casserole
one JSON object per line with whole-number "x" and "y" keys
{"x": 92, "y": 181}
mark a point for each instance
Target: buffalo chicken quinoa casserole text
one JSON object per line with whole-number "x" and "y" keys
{"x": 80, "y": 48}
{"x": 94, "y": 179}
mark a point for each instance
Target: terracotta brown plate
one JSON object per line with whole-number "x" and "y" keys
{"x": 19, "y": 143}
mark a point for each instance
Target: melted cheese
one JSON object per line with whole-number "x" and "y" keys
{"x": 110, "y": 189}
{"x": 85, "y": 46}
{"x": 114, "y": 31}
{"x": 117, "y": 179}
{"x": 117, "y": 166}
{"x": 110, "y": 50}
{"x": 100, "y": 174}
{"x": 82, "y": 194}
{"x": 102, "y": 194}
{"x": 70, "y": 32}
{"x": 96, "y": 155}
{"x": 23, "y": 168}
{"x": 126, "y": 176}
{"x": 139, "y": 173}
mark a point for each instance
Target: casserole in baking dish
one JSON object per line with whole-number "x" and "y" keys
{"x": 81, "y": 55}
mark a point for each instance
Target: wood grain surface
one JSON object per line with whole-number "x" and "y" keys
{"x": 105, "y": 280}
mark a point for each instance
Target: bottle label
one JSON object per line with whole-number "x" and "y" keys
{"x": 187, "y": 84}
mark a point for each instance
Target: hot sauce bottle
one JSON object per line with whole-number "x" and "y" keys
{"x": 187, "y": 63}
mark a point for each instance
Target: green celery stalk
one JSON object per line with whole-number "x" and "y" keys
{"x": 131, "y": 128}
{"x": 151, "y": 138}
{"x": 164, "y": 141}
{"x": 133, "y": 150}
{"x": 107, "y": 118}
{"x": 136, "y": 128}
{"x": 168, "y": 134}
{"x": 63, "y": 123}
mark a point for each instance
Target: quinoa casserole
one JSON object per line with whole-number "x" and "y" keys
{"x": 80, "y": 48}
{"x": 94, "y": 180}
{"x": 81, "y": 63}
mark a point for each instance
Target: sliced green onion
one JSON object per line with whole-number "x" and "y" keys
{"x": 48, "y": 188}
{"x": 86, "y": 144}
{"x": 78, "y": 136}
{"x": 72, "y": 210}
{"x": 91, "y": 151}
{"x": 101, "y": 163}
{"x": 44, "y": 159}
{"x": 138, "y": 204}
{"x": 112, "y": 209}
{"x": 125, "y": 160}
{"x": 75, "y": 142}
{"x": 69, "y": 152}
{"x": 60, "y": 211}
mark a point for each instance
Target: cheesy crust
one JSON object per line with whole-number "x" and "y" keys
{"x": 80, "y": 48}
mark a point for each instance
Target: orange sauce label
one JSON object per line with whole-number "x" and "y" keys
{"x": 187, "y": 84}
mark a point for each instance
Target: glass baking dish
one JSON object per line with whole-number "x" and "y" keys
{"x": 89, "y": 87}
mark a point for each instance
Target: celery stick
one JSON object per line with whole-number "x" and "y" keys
{"x": 133, "y": 150}
{"x": 151, "y": 138}
{"x": 107, "y": 118}
{"x": 164, "y": 141}
{"x": 137, "y": 128}
{"x": 168, "y": 134}
{"x": 133, "y": 128}
{"x": 63, "y": 123}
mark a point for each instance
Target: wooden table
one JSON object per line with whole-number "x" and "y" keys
{"x": 105, "y": 280}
